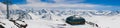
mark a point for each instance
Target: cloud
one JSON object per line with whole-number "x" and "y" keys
{"x": 14, "y": 7}
{"x": 33, "y": 1}
{"x": 69, "y": 1}
{"x": 59, "y": 3}
{"x": 66, "y": 4}
{"x": 2, "y": 6}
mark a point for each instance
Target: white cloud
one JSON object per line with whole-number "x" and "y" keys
{"x": 33, "y": 1}
{"x": 59, "y": 3}
{"x": 47, "y": 5}
{"x": 39, "y": 4}
{"x": 69, "y": 1}
{"x": 63, "y": 4}
{"x": 14, "y": 7}
{"x": 2, "y": 6}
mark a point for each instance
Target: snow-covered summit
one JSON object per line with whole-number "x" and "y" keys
{"x": 54, "y": 18}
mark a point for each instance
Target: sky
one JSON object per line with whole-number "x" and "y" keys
{"x": 94, "y": 4}
{"x": 100, "y": 2}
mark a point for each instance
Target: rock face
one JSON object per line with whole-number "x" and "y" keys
{"x": 2, "y": 26}
{"x": 19, "y": 24}
{"x": 75, "y": 20}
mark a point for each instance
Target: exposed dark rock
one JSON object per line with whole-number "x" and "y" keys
{"x": 73, "y": 20}
{"x": 2, "y": 26}
{"x": 19, "y": 25}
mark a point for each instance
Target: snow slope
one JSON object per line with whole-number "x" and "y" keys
{"x": 45, "y": 18}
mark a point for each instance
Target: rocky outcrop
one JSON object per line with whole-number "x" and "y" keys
{"x": 19, "y": 23}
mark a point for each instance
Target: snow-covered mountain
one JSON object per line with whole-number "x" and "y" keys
{"x": 45, "y": 13}
{"x": 53, "y": 18}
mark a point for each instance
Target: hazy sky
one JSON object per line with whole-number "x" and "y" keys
{"x": 100, "y": 2}
{"x": 94, "y": 4}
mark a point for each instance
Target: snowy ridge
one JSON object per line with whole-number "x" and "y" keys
{"x": 64, "y": 12}
{"x": 47, "y": 18}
